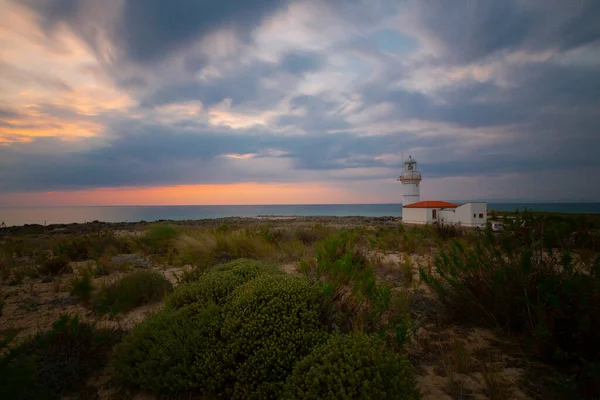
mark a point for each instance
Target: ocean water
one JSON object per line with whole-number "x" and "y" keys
{"x": 64, "y": 215}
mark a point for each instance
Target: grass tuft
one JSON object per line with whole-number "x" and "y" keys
{"x": 81, "y": 286}
{"x": 132, "y": 291}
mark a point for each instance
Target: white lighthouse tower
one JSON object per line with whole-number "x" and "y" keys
{"x": 410, "y": 178}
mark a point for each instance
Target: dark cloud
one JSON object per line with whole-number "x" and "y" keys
{"x": 149, "y": 154}
{"x": 242, "y": 86}
{"x": 468, "y": 31}
{"x": 152, "y": 154}
{"x": 153, "y": 29}
{"x": 299, "y": 63}
{"x": 55, "y": 11}
{"x": 8, "y": 113}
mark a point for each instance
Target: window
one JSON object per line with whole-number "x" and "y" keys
{"x": 434, "y": 214}
{"x": 474, "y": 215}
{"x": 481, "y": 215}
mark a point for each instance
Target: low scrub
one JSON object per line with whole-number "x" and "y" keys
{"x": 173, "y": 351}
{"x": 55, "y": 363}
{"x": 550, "y": 298}
{"x": 269, "y": 324}
{"x": 216, "y": 285}
{"x": 387, "y": 239}
{"x": 352, "y": 367}
{"x": 244, "y": 348}
{"x": 55, "y": 266}
{"x": 91, "y": 246}
{"x": 346, "y": 276}
{"x": 448, "y": 231}
{"x": 132, "y": 291}
{"x": 81, "y": 286}
{"x": 158, "y": 239}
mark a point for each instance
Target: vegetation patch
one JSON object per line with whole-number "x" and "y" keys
{"x": 548, "y": 297}
{"x": 216, "y": 285}
{"x": 245, "y": 348}
{"x": 354, "y": 366}
{"x": 81, "y": 286}
{"x": 347, "y": 278}
{"x": 269, "y": 324}
{"x": 132, "y": 291}
{"x": 55, "y": 266}
{"x": 174, "y": 351}
{"x": 57, "y": 362}
{"x": 91, "y": 246}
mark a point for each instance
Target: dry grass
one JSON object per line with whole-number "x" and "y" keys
{"x": 496, "y": 387}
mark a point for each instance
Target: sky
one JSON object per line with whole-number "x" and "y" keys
{"x": 141, "y": 102}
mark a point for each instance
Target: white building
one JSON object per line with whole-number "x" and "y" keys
{"x": 415, "y": 211}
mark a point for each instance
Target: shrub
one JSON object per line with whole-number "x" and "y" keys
{"x": 243, "y": 244}
{"x": 387, "y": 239}
{"x": 81, "y": 286}
{"x": 173, "y": 351}
{"x": 216, "y": 285}
{"x": 547, "y": 297}
{"x": 344, "y": 273}
{"x": 132, "y": 291}
{"x": 448, "y": 231}
{"x": 56, "y": 362}
{"x": 55, "y": 266}
{"x": 158, "y": 238}
{"x": 354, "y": 366}
{"x": 269, "y": 324}
{"x": 81, "y": 248}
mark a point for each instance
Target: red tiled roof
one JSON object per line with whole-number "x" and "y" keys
{"x": 431, "y": 204}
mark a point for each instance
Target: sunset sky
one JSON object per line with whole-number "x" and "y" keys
{"x": 143, "y": 102}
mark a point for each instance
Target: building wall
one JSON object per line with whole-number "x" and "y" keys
{"x": 468, "y": 214}
{"x": 447, "y": 216}
{"x": 414, "y": 215}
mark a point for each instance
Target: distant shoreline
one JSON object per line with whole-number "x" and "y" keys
{"x": 96, "y": 226}
{"x": 67, "y": 215}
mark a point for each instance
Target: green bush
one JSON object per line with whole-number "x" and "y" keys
{"x": 218, "y": 283}
{"x": 550, "y": 298}
{"x": 56, "y": 362}
{"x": 173, "y": 351}
{"x": 91, "y": 246}
{"x": 81, "y": 286}
{"x": 55, "y": 266}
{"x": 158, "y": 238}
{"x": 133, "y": 290}
{"x": 346, "y": 276}
{"x": 387, "y": 239}
{"x": 354, "y": 366}
{"x": 269, "y": 324}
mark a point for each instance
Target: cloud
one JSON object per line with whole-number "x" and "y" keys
{"x": 147, "y": 31}
{"x": 153, "y": 29}
{"x": 191, "y": 92}
{"x": 470, "y": 31}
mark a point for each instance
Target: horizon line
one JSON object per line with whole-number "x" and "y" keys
{"x": 518, "y": 201}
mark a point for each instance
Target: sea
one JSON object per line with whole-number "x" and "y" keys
{"x": 12, "y": 216}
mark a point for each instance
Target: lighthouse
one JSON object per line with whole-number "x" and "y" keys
{"x": 410, "y": 178}
{"x": 415, "y": 211}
